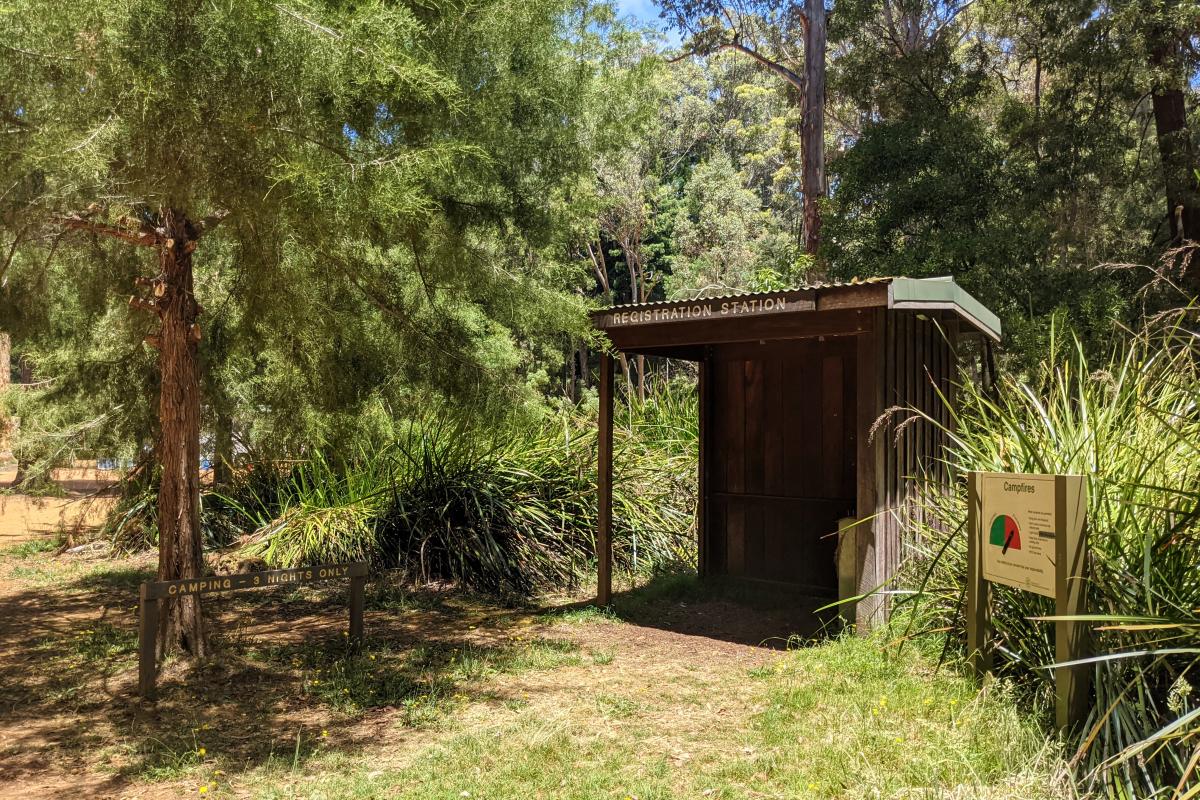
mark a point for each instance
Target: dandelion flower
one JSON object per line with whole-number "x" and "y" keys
{"x": 201, "y": 752}
{"x": 203, "y": 790}
{"x": 324, "y": 734}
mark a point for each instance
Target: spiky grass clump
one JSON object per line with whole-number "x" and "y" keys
{"x": 1132, "y": 427}
{"x": 516, "y": 514}
{"x": 509, "y": 511}
{"x": 321, "y": 513}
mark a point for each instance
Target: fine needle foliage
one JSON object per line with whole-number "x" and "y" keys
{"x": 1131, "y": 427}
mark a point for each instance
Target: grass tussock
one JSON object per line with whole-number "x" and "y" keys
{"x": 1131, "y": 426}
{"x": 510, "y": 512}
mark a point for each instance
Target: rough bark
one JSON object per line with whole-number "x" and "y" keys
{"x": 1175, "y": 148}
{"x": 179, "y": 540}
{"x": 813, "y": 126}
{"x": 5, "y": 360}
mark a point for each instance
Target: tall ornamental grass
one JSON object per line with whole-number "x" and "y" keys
{"x": 509, "y": 511}
{"x": 1132, "y": 426}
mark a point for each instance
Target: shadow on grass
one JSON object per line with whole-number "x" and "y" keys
{"x": 741, "y": 611}
{"x": 282, "y": 686}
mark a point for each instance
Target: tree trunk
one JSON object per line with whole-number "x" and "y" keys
{"x": 1175, "y": 148}
{"x": 812, "y": 129}
{"x": 24, "y": 376}
{"x": 179, "y": 541}
{"x": 1179, "y": 163}
{"x": 5, "y": 361}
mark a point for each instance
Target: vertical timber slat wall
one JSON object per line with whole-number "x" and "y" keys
{"x": 783, "y": 417}
{"x": 918, "y": 373}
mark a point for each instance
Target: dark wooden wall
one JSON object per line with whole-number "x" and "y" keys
{"x": 780, "y": 458}
{"x": 916, "y": 369}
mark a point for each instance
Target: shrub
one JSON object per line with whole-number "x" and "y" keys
{"x": 509, "y": 511}
{"x": 1133, "y": 428}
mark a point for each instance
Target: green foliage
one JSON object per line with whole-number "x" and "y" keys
{"x": 399, "y": 178}
{"x": 1006, "y": 143}
{"x": 509, "y": 511}
{"x": 1130, "y": 427}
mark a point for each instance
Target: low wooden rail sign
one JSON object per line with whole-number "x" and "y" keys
{"x": 154, "y": 592}
{"x": 1029, "y": 532}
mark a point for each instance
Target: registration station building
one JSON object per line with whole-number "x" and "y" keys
{"x": 794, "y": 391}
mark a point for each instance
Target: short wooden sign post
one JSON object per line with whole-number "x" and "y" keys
{"x": 154, "y": 592}
{"x": 1029, "y": 532}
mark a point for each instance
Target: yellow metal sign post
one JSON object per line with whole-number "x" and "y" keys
{"x": 1029, "y": 532}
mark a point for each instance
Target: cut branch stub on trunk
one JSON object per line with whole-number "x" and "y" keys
{"x": 180, "y": 547}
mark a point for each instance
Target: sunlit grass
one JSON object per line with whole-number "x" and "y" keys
{"x": 841, "y": 720}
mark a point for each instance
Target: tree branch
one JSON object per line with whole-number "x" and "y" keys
{"x": 142, "y": 238}
{"x": 206, "y": 225}
{"x": 774, "y": 66}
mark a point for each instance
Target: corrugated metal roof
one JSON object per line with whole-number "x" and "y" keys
{"x": 808, "y": 287}
{"x": 903, "y": 293}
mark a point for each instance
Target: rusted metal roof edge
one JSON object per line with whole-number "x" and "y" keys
{"x": 740, "y": 296}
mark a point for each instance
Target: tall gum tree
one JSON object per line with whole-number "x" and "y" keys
{"x": 770, "y": 33}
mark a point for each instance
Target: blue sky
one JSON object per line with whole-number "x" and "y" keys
{"x": 646, "y": 11}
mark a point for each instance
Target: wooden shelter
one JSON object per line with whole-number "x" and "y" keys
{"x": 792, "y": 386}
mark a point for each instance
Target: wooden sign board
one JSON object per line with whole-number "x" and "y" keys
{"x": 155, "y": 592}
{"x": 1029, "y": 532}
{"x": 715, "y": 308}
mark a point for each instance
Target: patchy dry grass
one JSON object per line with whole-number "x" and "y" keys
{"x": 454, "y": 697}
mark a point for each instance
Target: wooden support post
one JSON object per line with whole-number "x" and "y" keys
{"x": 704, "y": 389}
{"x": 871, "y": 361}
{"x": 147, "y": 631}
{"x": 979, "y": 592}
{"x": 358, "y": 586}
{"x": 1072, "y": 684}
{"x": 604, "y": 471}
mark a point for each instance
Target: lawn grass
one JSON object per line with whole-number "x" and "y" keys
{"x": 839, "y": 720}
{"x": 456, "y": 697}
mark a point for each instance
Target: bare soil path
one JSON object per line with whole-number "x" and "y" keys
{"x": 70, "y": 725}
{"x": 81, "y": 510}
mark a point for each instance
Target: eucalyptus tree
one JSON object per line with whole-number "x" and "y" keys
{"x": 788, "y": 39}
{"x": 321, "y": 169}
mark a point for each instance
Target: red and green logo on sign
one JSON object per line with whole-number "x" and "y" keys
{"x": 1005, "y": 533}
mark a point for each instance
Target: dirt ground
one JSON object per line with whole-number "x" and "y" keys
{"x": 84, "y": 507}
{"x": 71, "y": 725}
